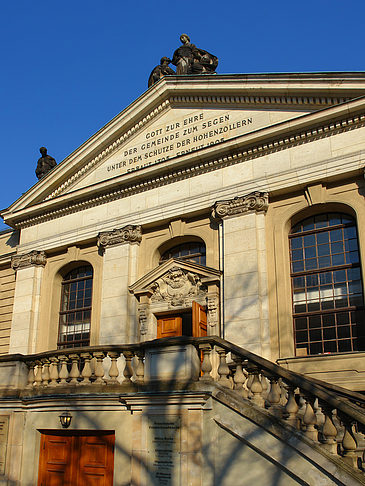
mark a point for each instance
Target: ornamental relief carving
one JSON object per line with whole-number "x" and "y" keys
{"x": 256, "y": 201}
{"x": 143, "y": 313}
{"x": 128, "y": 234}
{"x": 28, "y": 260}
{"x": 178, "y": 287}
{"x": 212, "y": 310}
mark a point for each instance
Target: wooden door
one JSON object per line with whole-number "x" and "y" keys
{"x": 55, "y": 460}
{"x": 199, "y": 320}
{"x": 169, "y": 326}
{"x": 95, "y": 461}
{"x": 76, "y": 460}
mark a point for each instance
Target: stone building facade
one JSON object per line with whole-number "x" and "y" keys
{"x": 215, "y": 205}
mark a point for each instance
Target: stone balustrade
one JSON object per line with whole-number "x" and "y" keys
{"x": 309, "y": 406}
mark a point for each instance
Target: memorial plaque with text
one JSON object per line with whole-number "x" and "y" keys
{"x": 164, "y": 449}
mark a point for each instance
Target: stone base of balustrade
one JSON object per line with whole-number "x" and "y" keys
{"x": 172, "y": 364}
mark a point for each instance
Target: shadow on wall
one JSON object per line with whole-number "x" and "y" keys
{"x": 220, "y": 457}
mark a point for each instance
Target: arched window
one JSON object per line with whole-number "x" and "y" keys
{"x": 192, "y": 251}
{"x": 328, "y": 305}
{"x": 75, "y": 312}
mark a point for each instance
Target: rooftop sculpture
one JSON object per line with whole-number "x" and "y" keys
{"x": 45, "y": 163}
{"x": 161, "y": 70}
{"x": 188, "y": 59}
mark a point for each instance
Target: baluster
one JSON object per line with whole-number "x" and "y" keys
{"x": 265, "y": 388}
{"x": 86, "y": 370}
{"x": 283, "y": 393}
{"x": 140, "y": 368}
{"x": 63, "y": 371}
{"x": 53, "y": 371}
{"x": 113, "y": 371}
{"x": 249, "y": 381}
{"x": 75, "y": 372}
{"x": 45, "y": 372}
{"x": 31, "y": 376}
{"x": 291, "y": 407}
{"x": 310, "y": 420}
{"x": 128, "y": 370}
{"x": 223, "y": 369}
{"x": 99, "y": 369}
{"x": 38, "y": 376}
{"x": 319, "y": 414}
{"x": 301, "y": 411}
{"x": 349, "y": 444}
{"x": 274, "y": 396}
{"x": 239, "y": 378}
{"x": 256, "y": 387}
{"x": 329, "y": 431}
{"x": 206, "y": 366}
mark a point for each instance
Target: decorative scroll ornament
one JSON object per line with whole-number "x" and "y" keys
{"x": 28, "y": 260}
{"x": 177, "y": 287}
{"x": 128, "y": 234}
{"x": 256, "y": 201}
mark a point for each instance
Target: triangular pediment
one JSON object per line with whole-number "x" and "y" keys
{"x": 174, "y": 269}
{"x": 179, "y": 131}
{"x": 183, "y": 119}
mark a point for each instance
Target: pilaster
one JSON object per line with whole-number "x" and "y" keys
{"x": 245, "y": 292}
{"x": 118, "y": 320}
{"x": 25, "y": 320}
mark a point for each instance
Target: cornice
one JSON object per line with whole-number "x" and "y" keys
{"x": 128, "y": 234}
{"x": 33, "y": 258}
{"x": 256, "y": 201}
{"x": 110, "y": 149}
{"x": 242, "y": 101}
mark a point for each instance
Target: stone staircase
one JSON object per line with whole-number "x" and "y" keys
{"x": 309, "y": 430}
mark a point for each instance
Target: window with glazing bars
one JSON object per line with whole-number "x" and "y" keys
{"x": 75, "y": 312}
{"x": 193, "y": 252}
{"x": 328, "y": 305}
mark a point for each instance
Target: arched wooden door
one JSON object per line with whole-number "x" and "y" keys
{"x": 76, "y": 459}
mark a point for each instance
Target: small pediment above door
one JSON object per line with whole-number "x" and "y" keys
{"x": 175, "y": 281}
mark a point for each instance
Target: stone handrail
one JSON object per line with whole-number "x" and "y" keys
{"x": 336, "y": 424}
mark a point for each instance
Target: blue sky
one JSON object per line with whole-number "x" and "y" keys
{"x": 69, "y": 67}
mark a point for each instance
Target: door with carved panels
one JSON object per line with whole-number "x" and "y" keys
{"x": 193, "y": 323}
{"x": 76, "y": 459}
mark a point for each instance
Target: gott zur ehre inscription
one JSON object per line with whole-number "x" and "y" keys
{"x": 179, "y": 137}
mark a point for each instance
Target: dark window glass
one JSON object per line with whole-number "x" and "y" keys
{"x": 75, "y": 312}
{"x": 193, "y": 252}
{"x": 327, "y": 286}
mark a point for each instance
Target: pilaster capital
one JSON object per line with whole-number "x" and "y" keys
{"x": 33, "y": 258}
{"x": 255, "y": 201}
{"x": 128, "y": 234}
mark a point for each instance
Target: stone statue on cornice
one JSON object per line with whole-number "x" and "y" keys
{"x": 45, "y": 163}
{"x": 161, "y": 70}
{"x": 189, "y": 59}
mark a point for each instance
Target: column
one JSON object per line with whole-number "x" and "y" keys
{"x": 245, "y": 292}
{"x": 25, "y": 321}
{"x": 118, "y": 319}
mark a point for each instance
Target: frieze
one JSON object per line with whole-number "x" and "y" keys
{"x": 177, "y": 287}
{"x": 30, "y": 259}
{"x": 128, "y": 234}
{"x": 197, "y": 169}
{"x": 211, "y": 99}
{"x": 256, "y": 201}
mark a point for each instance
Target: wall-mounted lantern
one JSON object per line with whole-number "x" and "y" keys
{"x": 65, "y": 419}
